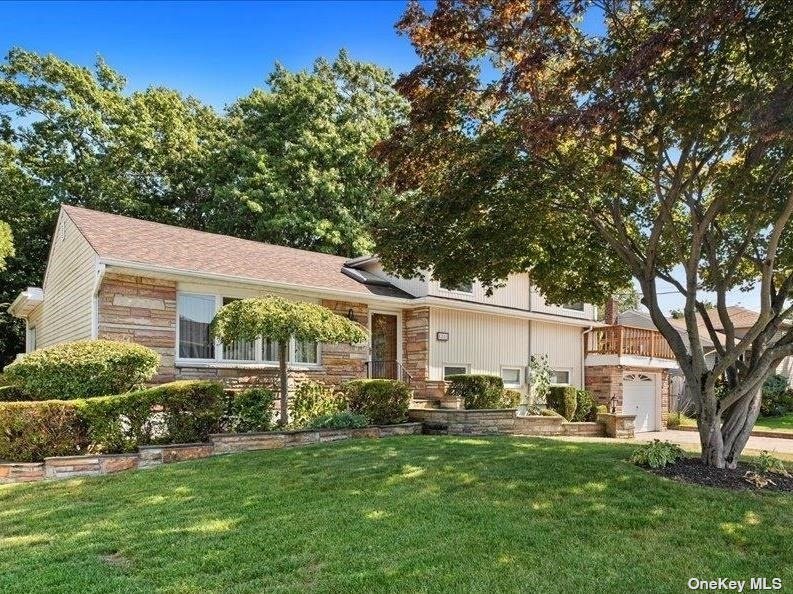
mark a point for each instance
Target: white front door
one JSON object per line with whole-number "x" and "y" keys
{"x": 639, "y": 398}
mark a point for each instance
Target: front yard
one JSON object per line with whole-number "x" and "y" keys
{"x": 783, "y": 423}
{"x": 400, "y": 514}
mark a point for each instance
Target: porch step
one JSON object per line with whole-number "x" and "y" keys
{"x": 425, "y": 403}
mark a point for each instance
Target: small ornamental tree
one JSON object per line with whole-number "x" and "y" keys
{"x": 279, "y": 319}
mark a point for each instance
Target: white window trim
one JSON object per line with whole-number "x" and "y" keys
{"x": 31, "y": 335}
{"x": 466, "y": 366}
{"x": 569, "y": 372}
{"x": 219, "y": 362}
{"x": 521, "y": 379}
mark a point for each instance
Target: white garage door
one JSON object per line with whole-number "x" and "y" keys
{"x": 638, "y": 397}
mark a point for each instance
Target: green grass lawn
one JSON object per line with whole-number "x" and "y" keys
{"x": 402, "y": 514}
{"x": 784, "y": 423}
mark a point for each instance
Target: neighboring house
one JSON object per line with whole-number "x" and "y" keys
{"x": 116, "y": 277}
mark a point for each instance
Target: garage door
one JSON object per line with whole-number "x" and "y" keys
{"x": 638, "y": 397}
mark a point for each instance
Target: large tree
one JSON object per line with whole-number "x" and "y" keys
{"x": 298, "y": 157}
{"x": 592, "y": 141}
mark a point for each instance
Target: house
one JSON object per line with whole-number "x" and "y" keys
{"x": 120, "y": 278}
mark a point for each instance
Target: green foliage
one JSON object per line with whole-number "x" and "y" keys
{"x": 564, "y": 400}
{"x": 767, "y": 463}
{"x": 549, "y": 412}
{"x": 477, "y": 391}
{"x": 250, "y": 410}
{"x": 627, "y": 299}
{"x": 586, "y": 406}
{"x": 510, "y": 398}
{"x": 279, "y": 319}
{"x": 83, "y": 368}
{"x": 777, "y": 398}
{"x": 339, "y": 420}
{"x": 12, "y": 393}
{"x": 313, "y": 400}
{"x": 657, "y": 454}
{"x": 381, "y": 401}
{"x": 179, "y": 412}
{"x": 539, "y": 378}
{"x": 601, "y": 409}
{"x": 30, "y": 431}
{"x": 6, "y": 244}
{"x": 677, "y": 419}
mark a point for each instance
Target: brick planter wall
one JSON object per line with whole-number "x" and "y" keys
{"x": 67, "y": 467}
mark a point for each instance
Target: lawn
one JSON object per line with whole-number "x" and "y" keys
{"x": 416, "y": 513}
{"x": 783, "y": 423}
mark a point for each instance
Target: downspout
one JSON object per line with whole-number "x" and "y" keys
{"x": 583, "y": 355}
{"x": 99, "y": 277}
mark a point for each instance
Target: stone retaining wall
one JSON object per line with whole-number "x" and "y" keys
{"x": 66, "y": 467}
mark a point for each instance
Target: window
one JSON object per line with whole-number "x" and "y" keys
{"x": 576, "y": 305}
{"x": 195, "y": 314}
{"x": 560, "y": 377}
{"x": 454, "y": 370}
{"x": 239, "y": 350}
{"x": 31, "y": 339}
{"x": 459, "y": 288}
{"x": 511, "y": 376}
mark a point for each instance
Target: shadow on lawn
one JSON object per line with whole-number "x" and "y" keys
{"x": 353, "y": 513}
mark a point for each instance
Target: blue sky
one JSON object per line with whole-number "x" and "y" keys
{"x": 218, "y": 51}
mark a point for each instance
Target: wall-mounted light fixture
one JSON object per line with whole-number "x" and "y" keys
{"x": 442, "y": 336}
{"x": 351, "y": 315}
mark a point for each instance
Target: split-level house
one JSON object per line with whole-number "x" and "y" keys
{"x": 121, "y": 278}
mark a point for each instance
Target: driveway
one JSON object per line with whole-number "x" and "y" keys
{"x": 690, "y": 440}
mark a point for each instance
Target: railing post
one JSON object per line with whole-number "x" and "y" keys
{"x": 619, "y": 339}
{"x": 652, "y": 344}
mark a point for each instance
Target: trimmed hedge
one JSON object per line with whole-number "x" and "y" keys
{"x": 313, "y": 400}
{"x": 381, "y": 401}
{"x": 249, "y": 410}
{"x": 563, "y": 399}
{"x": 586, "y": 406}
{"x": 83, "y": 369}
{"x": 339, "y": 420}
{"x": 477, "y": 391}
{"x": 510, "y": 398}
{"x": 180, "y": 412}
{"x": 12, "y": 394}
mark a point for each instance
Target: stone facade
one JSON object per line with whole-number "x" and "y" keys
{"x": 416, "y": 354}
{"x": 143, "y": 310}
{"x": 605, "y": 382}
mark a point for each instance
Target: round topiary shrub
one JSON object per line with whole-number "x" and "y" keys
{"x": 477, "y": 391}
{"x": 82, "y": 369}
{"x": 382, "y": 401}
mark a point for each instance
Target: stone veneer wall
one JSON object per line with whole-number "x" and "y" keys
{"x": 143, "y": 310}
{"x": 416, "y": 349}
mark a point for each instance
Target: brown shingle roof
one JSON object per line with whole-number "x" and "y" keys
{"x": 741, "y": 318}
{"x": 131, "y": 240}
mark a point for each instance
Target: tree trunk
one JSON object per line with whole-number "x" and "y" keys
{"x": 284, "y": 418}
{"x": 723, "y": 434}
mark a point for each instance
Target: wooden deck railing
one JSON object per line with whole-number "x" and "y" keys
{"x": 627, "y": 340}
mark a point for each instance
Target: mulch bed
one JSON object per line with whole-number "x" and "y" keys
{"x": 692, "y": 470}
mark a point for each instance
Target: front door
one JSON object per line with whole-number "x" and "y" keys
{"x": 384, "y": 346}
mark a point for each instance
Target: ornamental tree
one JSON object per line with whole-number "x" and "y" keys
{"x": 279, "y": 319}
{"x": 655, "y": 143}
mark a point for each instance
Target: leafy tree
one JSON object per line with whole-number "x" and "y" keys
{"x": 661, "y": 144}
{"x": 279, "y": 319}
{"x": 6, "y": 244}
{"x": 299, "y": 159}
{"x": 627, "y": 299}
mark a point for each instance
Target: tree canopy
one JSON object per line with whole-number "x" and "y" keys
{"x": 6, "y": 244}
{"x": 288, "y": 164}
{"x": 661, "y": 143}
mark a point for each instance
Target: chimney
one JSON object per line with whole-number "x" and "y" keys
{"x": 611, "y": 310}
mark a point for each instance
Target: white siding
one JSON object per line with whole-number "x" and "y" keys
{"x": 65, "y": 313}
{"x": 484, "y": 342}
{"x": 562, "y": 344}
{"x": 538, "y": 304}
{"x": 515, "y": 293}
{"x": 413, "y": 286}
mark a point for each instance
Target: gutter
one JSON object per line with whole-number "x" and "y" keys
{"x": 583, "y": 355}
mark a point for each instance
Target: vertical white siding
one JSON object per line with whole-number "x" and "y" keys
{"x": 538, "y": 304}
{"x": 65, "y": 313}
{"x": 483, "y": 342}
{"x": 562, "y": 344}
{"x": 413, "y": 286}
{"x": 515, "y": 293}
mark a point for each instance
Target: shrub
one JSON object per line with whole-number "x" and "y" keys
{"x": 768, "y": 463}
{"x": 510, "y": 398}
{"x": 657, "y": 454}
{"x": 312, "y": 400}
{"x": 381, "y": 401}
{"x": 601, "y": 409}
{"x": 31, "y": 431}
{"x": 586, "y": 406}
{"x": 677, "y": 419}
{"x": 12, "y": 394}
{"x": 249, "y": 410}
{"x": 549, "y": 412}
{"x": 339, "y": 420}
{"x": 563, "y": 399}
{"x": 776, "y": 398}
{"x": 83, "y": 369}
{"x": 477, "y": 391}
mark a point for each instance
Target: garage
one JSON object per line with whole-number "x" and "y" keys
{"x": 639, "y": 398}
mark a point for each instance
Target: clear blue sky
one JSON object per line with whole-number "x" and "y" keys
{"x": 218, "y": 51}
